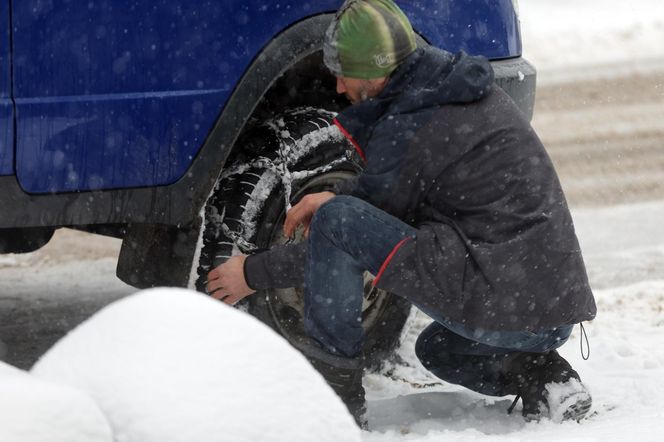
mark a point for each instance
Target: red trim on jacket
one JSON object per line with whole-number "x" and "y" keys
{"x": 350, "y": 138}
{"x": 388, "y": 259}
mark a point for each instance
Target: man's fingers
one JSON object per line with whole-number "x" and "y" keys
{"x": 292, "y": 219}
{"x": 287, "y": 221}
{"x": 287, "y": 224}
{"x": 213, "y": 274}
{"x": 220, "y": 293}
{"x": 214, "y": 285}
{"x": 228, "y": 280}
{"x": 301, "y": 213}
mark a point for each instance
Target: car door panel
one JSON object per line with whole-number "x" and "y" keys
{"x": 6, "y": 106}
{"x": 111, "y": 94}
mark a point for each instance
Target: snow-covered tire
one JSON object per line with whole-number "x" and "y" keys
{"x": 298, "y": 152}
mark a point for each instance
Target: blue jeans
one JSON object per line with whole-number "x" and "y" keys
{"x": 348, "y": 236}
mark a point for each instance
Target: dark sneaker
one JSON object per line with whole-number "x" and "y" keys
{"x": 548, "y": 387}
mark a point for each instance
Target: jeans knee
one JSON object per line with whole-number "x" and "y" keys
{"x": 331, "y": 215}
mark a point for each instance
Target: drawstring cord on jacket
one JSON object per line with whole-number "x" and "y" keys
{"x": 584, "y": 336}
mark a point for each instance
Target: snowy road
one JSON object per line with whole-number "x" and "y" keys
{"x": 605, "y": 136}
{"x": 47, "y": 293}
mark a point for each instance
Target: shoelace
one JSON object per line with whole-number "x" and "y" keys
{"x": 516, "y": 399}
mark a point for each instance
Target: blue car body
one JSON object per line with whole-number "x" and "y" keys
{"x": 117, "y": 116}
{"x": 123, "y": 94}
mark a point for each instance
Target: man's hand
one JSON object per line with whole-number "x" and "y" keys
{"x": 226, "y": 282}
{"x": 302, "y": 212}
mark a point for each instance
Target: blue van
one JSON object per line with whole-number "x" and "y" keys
{"x": 185, "y": 127}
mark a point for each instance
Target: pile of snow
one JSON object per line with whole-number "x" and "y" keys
{"x": 174, "y": 365}
{"x": 32, "y": 410}
{"x": 592, "y": 37}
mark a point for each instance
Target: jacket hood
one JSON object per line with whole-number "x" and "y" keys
{"x": 435, "y": 78}
{"x": 429, "y": 77}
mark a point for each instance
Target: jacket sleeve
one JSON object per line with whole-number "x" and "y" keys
{"x": 278, "y": 267}
{"x": 387, "y": 182}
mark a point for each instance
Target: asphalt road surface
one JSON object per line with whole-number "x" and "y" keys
{"x": 606, "y": 138}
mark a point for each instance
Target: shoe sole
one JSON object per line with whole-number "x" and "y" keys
{"x": 568, "y": 401}
{"x": 579, "y": 408}
{"x": 573, "y": 407}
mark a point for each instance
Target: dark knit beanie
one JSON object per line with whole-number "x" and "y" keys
{"x": 368, "y": 39}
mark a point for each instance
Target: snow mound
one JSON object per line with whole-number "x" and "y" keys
{"x": 169, "y": 365}
{"x": 32, "y": 410}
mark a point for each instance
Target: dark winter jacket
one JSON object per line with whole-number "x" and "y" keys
{"x": 449, "y": 153}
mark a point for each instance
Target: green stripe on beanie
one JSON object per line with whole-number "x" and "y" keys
{"x": 368, "y": 39}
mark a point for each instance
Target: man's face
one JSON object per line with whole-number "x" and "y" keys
{"x": 357, "y": 90}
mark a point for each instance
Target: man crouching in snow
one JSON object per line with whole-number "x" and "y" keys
{"x": 459, "y": 210}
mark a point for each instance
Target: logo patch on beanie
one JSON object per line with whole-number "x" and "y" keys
{"x": 384, "y": 60}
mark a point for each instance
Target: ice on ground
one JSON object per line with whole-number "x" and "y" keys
{"x": 33, "y": 410}
{"x": 171, "y": 365}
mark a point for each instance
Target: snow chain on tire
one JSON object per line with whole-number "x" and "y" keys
{"x": 281, "y": 154}
{"x": 289, "y": 155}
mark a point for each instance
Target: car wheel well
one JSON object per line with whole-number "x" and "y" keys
{"x": 305, "y": 83}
